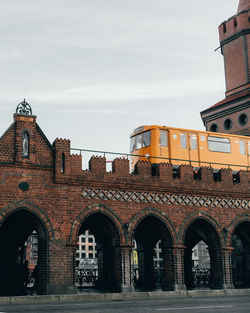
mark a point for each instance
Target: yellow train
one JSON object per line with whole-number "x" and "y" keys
{"x": 178, "y": 146}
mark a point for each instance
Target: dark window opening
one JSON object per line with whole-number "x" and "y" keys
{"x": 63, "y": 163}
{"x": 176, "y": 172}
{"x": 217, "y": 176}
{"x": 155, "y": 169}
{"x": 236, "y": 178}
{"x": 214, "y": 128}
{"x": 243, "y": 119}
{"x": 228, "y": 124}
{"x": 224, "y": 27}
{"x": 197, "y": 174}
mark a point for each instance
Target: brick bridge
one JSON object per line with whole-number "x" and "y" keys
{"x": 43, "y": 188}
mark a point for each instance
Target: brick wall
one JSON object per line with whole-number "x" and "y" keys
{"x": 63, "y": 200}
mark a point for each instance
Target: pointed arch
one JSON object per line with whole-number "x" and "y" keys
{"x": 29, "y": 206}
{"x": 195, "y": 216}
{"x": 137, "y": 218}
{"x": 244, "y": 217}
{"x": 96, "y": 208}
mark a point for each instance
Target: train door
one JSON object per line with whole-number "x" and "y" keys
{"x": 193, "y": 150}
{"x": 239, "y": 154}
{"x": 164, "y": 146}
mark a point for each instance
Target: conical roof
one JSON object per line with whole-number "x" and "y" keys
{"x": 243, "y": 5}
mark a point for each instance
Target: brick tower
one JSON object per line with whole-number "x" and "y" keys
{"x": 232, "y": 115}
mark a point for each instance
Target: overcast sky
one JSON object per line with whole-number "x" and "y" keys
{"x": 94, "y": 70}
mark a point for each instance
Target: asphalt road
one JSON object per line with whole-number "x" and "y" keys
{"x": 198, "y": 305}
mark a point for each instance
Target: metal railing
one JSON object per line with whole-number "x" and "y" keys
{"x": 167, "y": 160}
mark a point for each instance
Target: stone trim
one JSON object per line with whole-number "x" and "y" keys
{"x": 164, "y": 198}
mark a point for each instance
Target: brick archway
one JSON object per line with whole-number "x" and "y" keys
{"x": 195, "y": 216}
{"x": 31, "y": 207}
{"x": 200, "y": 228}
{"x": 239, "y": 239}
{"x": 107, "y": 232}
{"x": 244, "y": 217}
{"x": 154, "y": 212}
{"x": 154, "y": 237}
{"x": 20, "y": 221}
{"x": 96, "y": 208}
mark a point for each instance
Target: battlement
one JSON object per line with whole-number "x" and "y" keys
{"x": 234, "y": 25}
{"x": 158, "y": 177}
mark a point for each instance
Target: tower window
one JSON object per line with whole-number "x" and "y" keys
{"x": 26, "y": 143}
{"x": 228, "y": 124}
{"x": 235, "y": 22}
{"x": 224, "y": 27}
{"x": 63, "y": 163}
{"x": 214, "y": 128}
{"x": 243, "y": 119}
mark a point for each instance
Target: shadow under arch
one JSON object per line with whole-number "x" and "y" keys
{"x": 154, "y": 247}
{"x": 15, "y": 228}
{"x": 239, "y": 236}
{"x": 137, "y": 218}
{"x": 106, "y": 229}
{"x": 200, "y": 228}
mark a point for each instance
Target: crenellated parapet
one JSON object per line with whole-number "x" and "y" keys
{"x": 121, "y": 167}
{"x": 165, "y": 176}
{"x": 234, "y": 25}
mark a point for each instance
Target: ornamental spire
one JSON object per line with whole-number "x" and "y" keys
{"x": 24, "y": 108}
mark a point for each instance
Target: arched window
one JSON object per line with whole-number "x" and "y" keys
{"x": 63, "y": 163}
{"x": 26, "y": 144}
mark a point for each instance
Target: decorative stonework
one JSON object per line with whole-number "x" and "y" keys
{"x": 164, "y": 198}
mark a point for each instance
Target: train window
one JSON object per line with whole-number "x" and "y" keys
{"x": 218, "y": 144}
{"x": 146, "y": 139}
{"x": 249, "y": 147}
{"x": 164, "y": 138}
{"x": 183, "y": 141}
{"x": 132, "y": 144}
{"x": 242, "y": 147}
{"x": 193, "y": 142}
{"x": 139, "y": 141}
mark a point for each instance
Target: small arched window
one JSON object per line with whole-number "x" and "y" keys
{"x": 63, "y": 163}
{"x": 26, "y": 144}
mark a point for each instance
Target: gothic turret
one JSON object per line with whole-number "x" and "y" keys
{"x": 243, "y": 5}
{"x": 232, "y": 114}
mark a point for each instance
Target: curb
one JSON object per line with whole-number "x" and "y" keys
{"x": 123, "y": 296}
